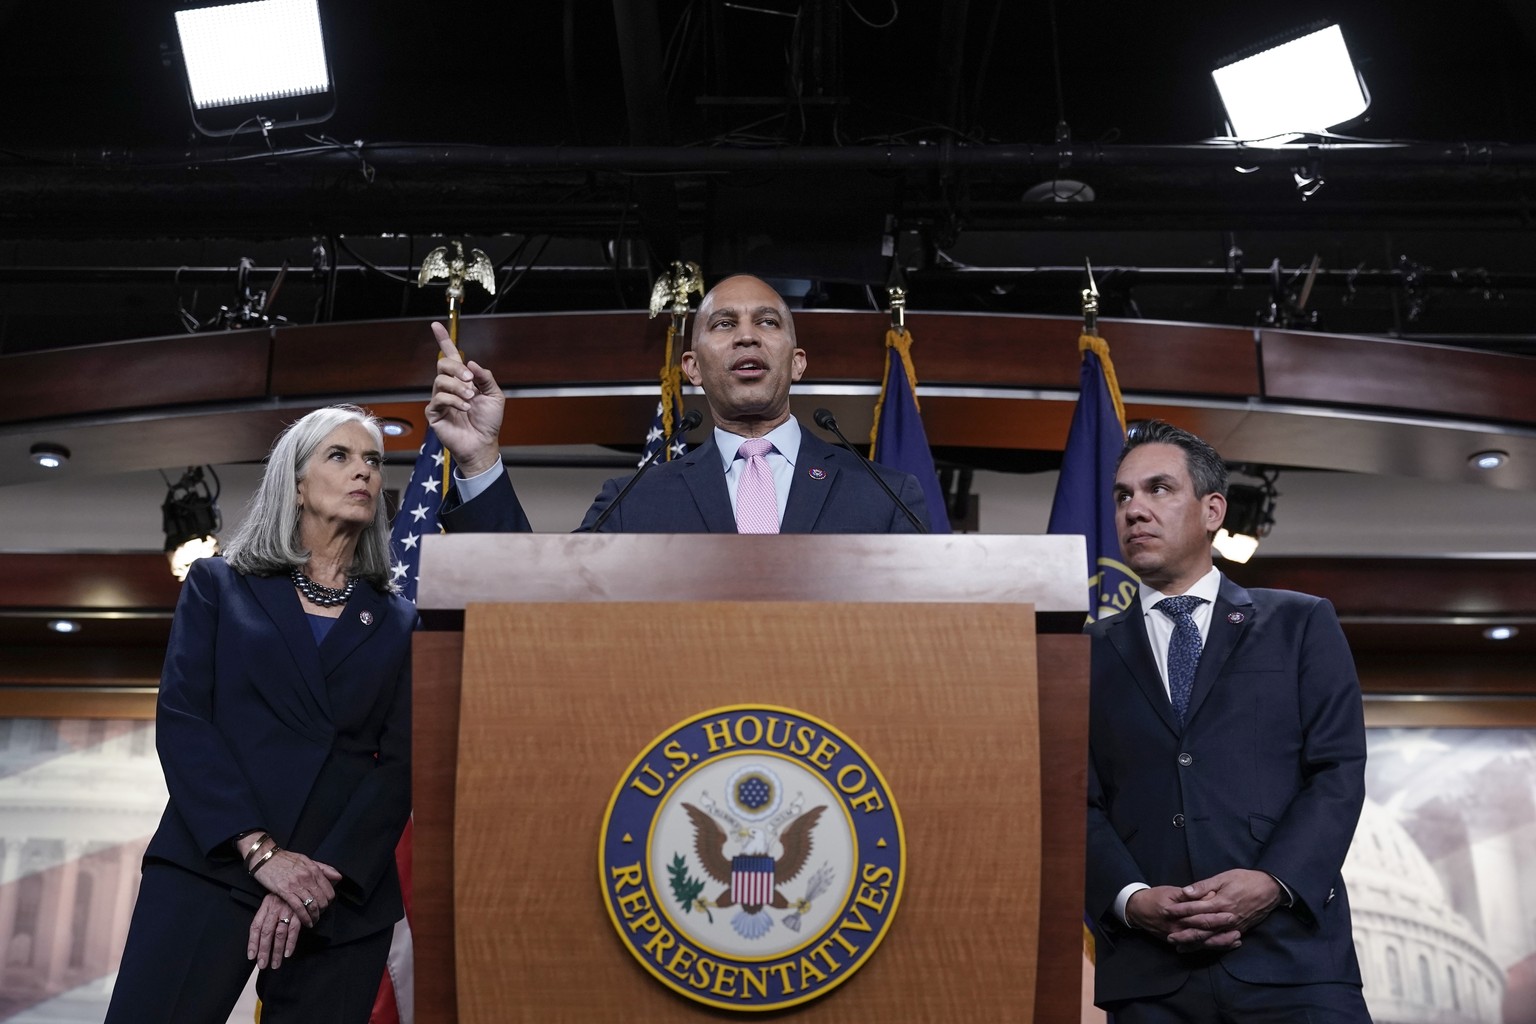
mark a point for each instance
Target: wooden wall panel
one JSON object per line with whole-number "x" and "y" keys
{"x": 1382, "y": 587}
{"x": 140, "y": 581}
{"x": 1063, "y": 674}
{"x": 1381, "y": 373}
{"x": 436, "y": 662}
{"x": 149, "y": 373}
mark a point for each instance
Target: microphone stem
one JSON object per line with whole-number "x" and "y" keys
{"x": 666, "y": 443}
{"x": 831, "y": 424}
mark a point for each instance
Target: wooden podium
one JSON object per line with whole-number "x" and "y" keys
{"x": 955, "y": 662}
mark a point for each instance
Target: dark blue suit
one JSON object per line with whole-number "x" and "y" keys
{"x": 1268, "y": 773}
{"x": 258, "y": 727}
{"x": 829, "y": 494}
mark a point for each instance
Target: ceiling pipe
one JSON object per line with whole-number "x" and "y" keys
{"x": 969, "y": 276}
{"x": 942, "y": 155}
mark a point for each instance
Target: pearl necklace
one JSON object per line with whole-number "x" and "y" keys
{"x": 325, "y": 597}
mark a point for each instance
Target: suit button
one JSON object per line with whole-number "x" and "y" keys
{"x": 1186, "y": 760}
{"x": 1178, "y": 821}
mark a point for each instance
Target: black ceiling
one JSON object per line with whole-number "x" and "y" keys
{"x": 596, "y": 139}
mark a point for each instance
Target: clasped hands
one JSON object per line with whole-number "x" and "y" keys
{"x": 298, "y": 889}
{"x": 1212, "y": 914}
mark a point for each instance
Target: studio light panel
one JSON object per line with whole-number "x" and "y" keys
{"x": 253, "y": 52}
{"x": 1304, "y": 86}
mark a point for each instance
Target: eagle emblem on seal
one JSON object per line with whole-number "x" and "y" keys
{"x": 752, "y": 875}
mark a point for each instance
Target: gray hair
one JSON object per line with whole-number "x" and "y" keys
{"x": 267, "y": 541}
{"x": 1207, "y": 472}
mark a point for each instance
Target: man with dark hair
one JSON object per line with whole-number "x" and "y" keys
{"x": 758, "y": 473}
{"x": 1226, "y": 775}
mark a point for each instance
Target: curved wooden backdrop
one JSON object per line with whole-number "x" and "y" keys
{"x": 992, "y": 381}
{"x": 988, "y": 381}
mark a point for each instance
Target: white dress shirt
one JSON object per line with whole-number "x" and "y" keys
{"x": 781, "y": 462}
{"x": 785, "y": 439}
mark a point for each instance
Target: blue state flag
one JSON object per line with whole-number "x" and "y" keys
{"x": 1083, "y": 502}
{"x": 899, "y": 440}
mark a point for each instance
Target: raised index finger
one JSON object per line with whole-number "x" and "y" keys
{"x": 444, "y": 342}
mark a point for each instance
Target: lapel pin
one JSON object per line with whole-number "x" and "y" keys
{"x": 366, "y": 616}
{"x": 1232, "y": 617}
{"x": 817, "y": 473}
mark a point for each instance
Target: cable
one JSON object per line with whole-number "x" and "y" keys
{"x": 895, "y": 13}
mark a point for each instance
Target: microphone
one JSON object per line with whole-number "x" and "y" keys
{"x": 691, "y": 419}
{"x": 826, "y": 421}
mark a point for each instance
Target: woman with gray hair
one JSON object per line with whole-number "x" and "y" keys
{"x": 283, "y": 726}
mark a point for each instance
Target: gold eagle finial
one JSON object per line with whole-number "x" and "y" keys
{"x": 438, "y": 265}
{"x": 673, "y": 288}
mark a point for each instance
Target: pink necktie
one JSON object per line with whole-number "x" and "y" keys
{"x": 757, "y": 503}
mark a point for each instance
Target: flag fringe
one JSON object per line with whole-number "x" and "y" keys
{"x": 671, "y": 389}
{"x": 1099, "y": 347}
{"x": 901, "y": 342}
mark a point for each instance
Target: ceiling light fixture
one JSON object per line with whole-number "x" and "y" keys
{"x": 1501, "y": 632}
{"x": 1304, "y": 85}
{"x": 49, "y": 456}
{"x": 391, "y": 427}
{"x": 1250, "y": 516}
{"x": 191, "y": 517}
{"x": 255, "y": 66}
{"x": 64, "y": 625}
{"x": 1491, "y": 459}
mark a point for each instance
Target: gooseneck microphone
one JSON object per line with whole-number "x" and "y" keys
{"x": 691, "y": 419}
{"x": 826, "y": 421}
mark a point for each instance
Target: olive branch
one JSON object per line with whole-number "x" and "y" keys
{"x": 687, "y": 888}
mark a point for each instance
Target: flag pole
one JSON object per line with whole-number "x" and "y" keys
{"x": 1090, "y": 303}
{"x": 670, "y": 293}
{"x": 1090, "y": 341}
{"x": 455, "y": 268}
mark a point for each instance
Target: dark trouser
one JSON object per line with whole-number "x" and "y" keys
{"x": 1212, "y": 996}
{"x": 185, "y": 963}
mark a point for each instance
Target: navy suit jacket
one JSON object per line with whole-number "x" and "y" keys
{"x": 1268, "y": 772}
{"x": 829, "y": 494}
{"x": 258, "y": 727}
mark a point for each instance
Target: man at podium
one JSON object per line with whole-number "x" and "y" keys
{"x": 1226, "y": 772}
{"x": 759, "y": 472}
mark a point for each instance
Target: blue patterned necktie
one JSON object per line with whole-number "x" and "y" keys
{"x": 1183, "y": 649}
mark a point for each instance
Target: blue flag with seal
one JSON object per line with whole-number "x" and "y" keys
{"x": 898, "y": 439}
{"x": 1083, "y": 502}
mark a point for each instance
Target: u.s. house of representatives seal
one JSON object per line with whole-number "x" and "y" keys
{"x": 752, "y": 857}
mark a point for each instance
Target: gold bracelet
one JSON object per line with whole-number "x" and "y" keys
{"x": 256, "y": 845}
{"x": 264, "y": 858}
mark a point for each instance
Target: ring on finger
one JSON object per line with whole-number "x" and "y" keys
{"x": 309, "y": 901}
{"x": 282, "y": 920}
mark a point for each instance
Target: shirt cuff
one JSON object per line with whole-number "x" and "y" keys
{"x": 1125, "y": 897}
{"x": 1287, "y": 898}
{"x": 471, "y": 487}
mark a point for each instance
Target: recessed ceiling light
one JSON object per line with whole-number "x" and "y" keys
{"x": 1491, "y": 459}
{"x": 64, "y": 625}
{"x": 394, "y": 427}
{"x": 49, "y": 456}
{"x": 1501, "y": 632}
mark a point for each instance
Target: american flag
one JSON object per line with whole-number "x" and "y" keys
{"x": 420, "y": 502}
{"x": 658, "y": 432}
